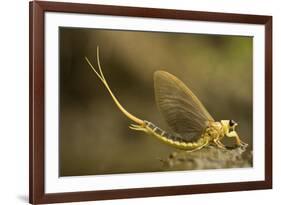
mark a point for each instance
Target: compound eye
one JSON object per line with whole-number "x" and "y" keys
{"x": 231, "y": 123}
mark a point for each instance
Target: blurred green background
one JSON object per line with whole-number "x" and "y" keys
{"x": 94, "y": 134}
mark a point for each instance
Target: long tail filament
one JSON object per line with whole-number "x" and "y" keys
{"x": 103, "y": 80}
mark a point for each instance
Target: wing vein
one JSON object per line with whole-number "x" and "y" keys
{"x": 184, "y": 113}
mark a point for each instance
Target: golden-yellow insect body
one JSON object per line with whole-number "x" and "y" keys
{"x": 191, "y": 124}
{"x": 213, "y": 133}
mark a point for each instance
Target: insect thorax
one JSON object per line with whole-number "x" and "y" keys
{"x": 215, "y": 130}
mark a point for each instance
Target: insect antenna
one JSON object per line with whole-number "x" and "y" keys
{"x": 103, "y": 80}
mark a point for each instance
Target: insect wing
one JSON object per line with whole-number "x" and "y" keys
{"x": 182, "y": 110}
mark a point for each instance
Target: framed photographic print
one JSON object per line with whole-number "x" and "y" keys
{"x": 138, "y": 102}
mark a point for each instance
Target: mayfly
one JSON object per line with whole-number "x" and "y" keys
{"x": 192, "y": 125}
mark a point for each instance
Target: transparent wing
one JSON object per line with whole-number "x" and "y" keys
{"x": 183, "y": 112}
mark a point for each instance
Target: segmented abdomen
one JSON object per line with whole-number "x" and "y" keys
{"x": 173, "y": 140}
{"x": 163, "y": 133}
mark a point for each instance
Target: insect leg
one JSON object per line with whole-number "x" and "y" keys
{"x": 219, "y": 144}
{"x": 238, "y": 140}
